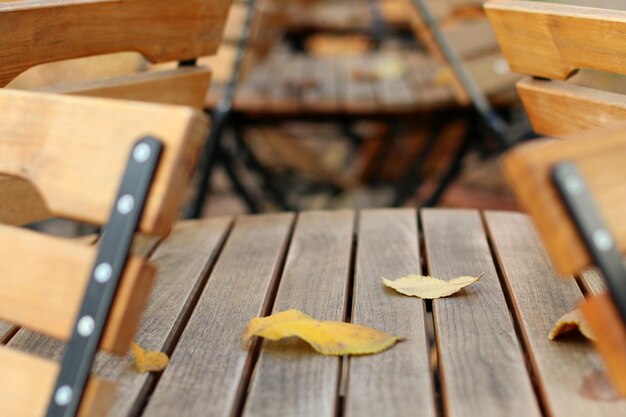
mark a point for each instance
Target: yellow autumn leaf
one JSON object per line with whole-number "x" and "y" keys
{"x": 429, "y": 287}
{"x": 326, "y": 337}
{"x": 569, "y": 322}
{"x": 147, "y": 361}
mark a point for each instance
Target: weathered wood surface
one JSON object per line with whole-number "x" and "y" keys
{"x": 558, "y": 108}
{"x": 63, "y": 146}
{"x": 209, "y": 366}
{"x": 480, "y": 358}
{"x": 539, "y": 298}
{"x": 290, "y": 380}
{"x": 599, "y": 155}
{"x": 397, "y": 382}
{"x": 215, "y": 278}
{"x": 36, "y": 32}
{"x": 553, "y": 40}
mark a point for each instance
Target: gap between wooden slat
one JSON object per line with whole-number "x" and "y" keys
{"x": 268, "y": 305}
{"x": 344, "y": 363}
{"x": 430, "y": 325}
{"x": 169, "y": 348}
{"x": 517, "y": 325}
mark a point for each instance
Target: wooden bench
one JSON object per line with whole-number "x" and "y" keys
{"x": 571, "y": 188}
{"x": 484, "y": 352}
{"x": 102, "y": 162}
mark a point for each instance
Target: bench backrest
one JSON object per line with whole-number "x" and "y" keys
{"x": 573, "y": 189}
{"x": 83, "y": 157}
{"x": 40, "y": 32}
{"x": 550, "y": 42}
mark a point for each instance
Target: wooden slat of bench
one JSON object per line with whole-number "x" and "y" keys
{"x": 27, "y": 383}
{"x": 397, "y": 382}
{"x": 358, "y": 95}
{"x": 325, "y": 95}
{"x": 6, "y": 330}
{"x": 46, "y": 295}
{"x": 558, "y": 108}
{"x": 183, "y": 260}
{"x": 290, "y": 380}
{"x": 160, "y": 30}
{"x": 593, "y": 282}
{"x": 186, "y": 86}
{"x": 539, "y": 299}
{"x": 206, "y": 370}
{"x": 481, "y": 362}
{"x": 68, "y": 153}
{"x": 553, "y": 40}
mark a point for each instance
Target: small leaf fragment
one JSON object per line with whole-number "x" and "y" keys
{"x": 326, "y": 337}
{"x": 148, "y": 361}
{"x": 429, "y": 287}
{"x": 574, "y": 320}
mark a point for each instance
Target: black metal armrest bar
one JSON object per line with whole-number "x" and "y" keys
{"x": 107, "y": 271}
{"x": 591, "y": 227}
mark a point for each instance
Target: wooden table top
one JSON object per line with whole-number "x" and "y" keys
{"x": 371, "y": 84}
{"x": 484, "y": 352}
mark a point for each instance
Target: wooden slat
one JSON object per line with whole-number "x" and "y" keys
{"x": 539, "y": 299}
{"x": 46, "y": 295}
{"x": 397, "y": 382}
{"x": 593, "y": 281}
{"x": 36, "y": 32}
{"x": 185, "y": 86}
{"x": 79, "y": 70}
{"x": 27, "y": 383}
{"x": 75, "y": 150}
{"x": 599, "y": 155}
{"x": 558, "y": 108}
{"x": 481, "y": 362}
{"x": 207, "y": 367}
{"x": 605, "y": 321}
{"x": 182, "y": 260}
{"x": 553, "y": 40}
{"x": 290, "y": 380}
{"x": 357, "y": 94}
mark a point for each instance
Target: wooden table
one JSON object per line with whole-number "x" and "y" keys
{"x": 483, "y": 352}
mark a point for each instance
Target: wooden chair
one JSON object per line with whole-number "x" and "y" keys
{"x": 118, "y": 164}
{"x": 67, "y": 29}
{"x": 574, "y": 189}
{"x": 551, "y": 42}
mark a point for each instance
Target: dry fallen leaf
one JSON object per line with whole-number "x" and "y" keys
{"x": 147, "y": 361}
{"x": 569, "y": 322}
{"x": 429, "y": 287}
{"x": 326, "y": 337}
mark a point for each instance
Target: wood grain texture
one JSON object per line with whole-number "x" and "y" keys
{"x": 183, "y": 260}
{"x": 46, "y": 295}
{"x": 27, "y": 383}
{"x": 209, "y": 362}
{"x": 599, "y": 155}
{"x": 553, "y": 40}
{"x": 606, "y": 322}
{"x": 290, "y": 380}
{"x": 186, "y": 86}
{"x": 63, "y": 145}
{"x": 397, "y": 382}
{"x": 539, "y": 299}
{"x": 37, "y": 32}
{"x": 557, "y": 108}
{"x": 481, "y": 361}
